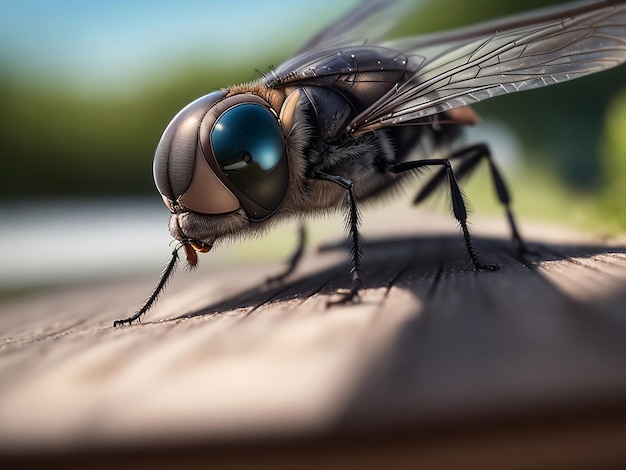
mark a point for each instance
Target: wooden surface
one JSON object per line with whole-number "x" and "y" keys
{"x": 438, "y": 365}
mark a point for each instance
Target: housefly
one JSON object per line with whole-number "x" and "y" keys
{"x": 350, "y": 116}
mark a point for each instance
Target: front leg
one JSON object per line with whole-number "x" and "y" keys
{"x": 354, "y": 239}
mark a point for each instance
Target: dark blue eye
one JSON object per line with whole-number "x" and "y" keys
{"x": 248, "y": 144}
{"x": 247, "y": 139}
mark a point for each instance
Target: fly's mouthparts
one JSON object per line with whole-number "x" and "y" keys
{"x": 201, "y": 247}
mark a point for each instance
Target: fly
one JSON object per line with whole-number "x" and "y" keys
{"x": 349, "y": 116}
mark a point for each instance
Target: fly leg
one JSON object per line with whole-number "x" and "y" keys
{"x": 165, "y": 276}
{"x": 294, "y": 259}
{"x": 458, "y": 205}
{"x": 471, "y": 156}
{"x": 354, "y": 239}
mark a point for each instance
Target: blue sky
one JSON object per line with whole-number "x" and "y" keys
{"x": 106, "y": 43}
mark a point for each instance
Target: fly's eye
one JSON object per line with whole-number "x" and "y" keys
{"x": 247, "y": 139}
{"x": 248, "y": 145}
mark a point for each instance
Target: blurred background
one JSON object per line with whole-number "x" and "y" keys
{"x": 87, "y": 88}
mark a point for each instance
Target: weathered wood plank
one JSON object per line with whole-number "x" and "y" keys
{"x": 433, "y": 345}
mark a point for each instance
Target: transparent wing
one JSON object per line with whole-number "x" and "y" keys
{"x": 469, "y": 65}
{"x": 367, "y": 22}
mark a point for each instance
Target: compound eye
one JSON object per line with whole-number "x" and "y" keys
{"x": 248, "y": 145}
{"x": 247, "y": 139}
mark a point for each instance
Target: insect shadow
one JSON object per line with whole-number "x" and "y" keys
{"x": 404, "y": 262}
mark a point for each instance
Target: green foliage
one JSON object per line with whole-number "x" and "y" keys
{"x": 614, "y": 162}
{"x": 55, "y": 142}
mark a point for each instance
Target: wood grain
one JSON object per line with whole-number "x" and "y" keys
{"x": 438, "y": 364}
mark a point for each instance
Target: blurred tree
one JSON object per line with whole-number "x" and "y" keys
{"x": 56, "y": 143}
{"x": 614, "y": 161}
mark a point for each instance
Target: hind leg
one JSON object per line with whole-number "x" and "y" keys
{"x": 470, "y": 158}
{"x": 458, "y": 204}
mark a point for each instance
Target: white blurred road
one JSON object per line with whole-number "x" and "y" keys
{"x": 67, "y": 241}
